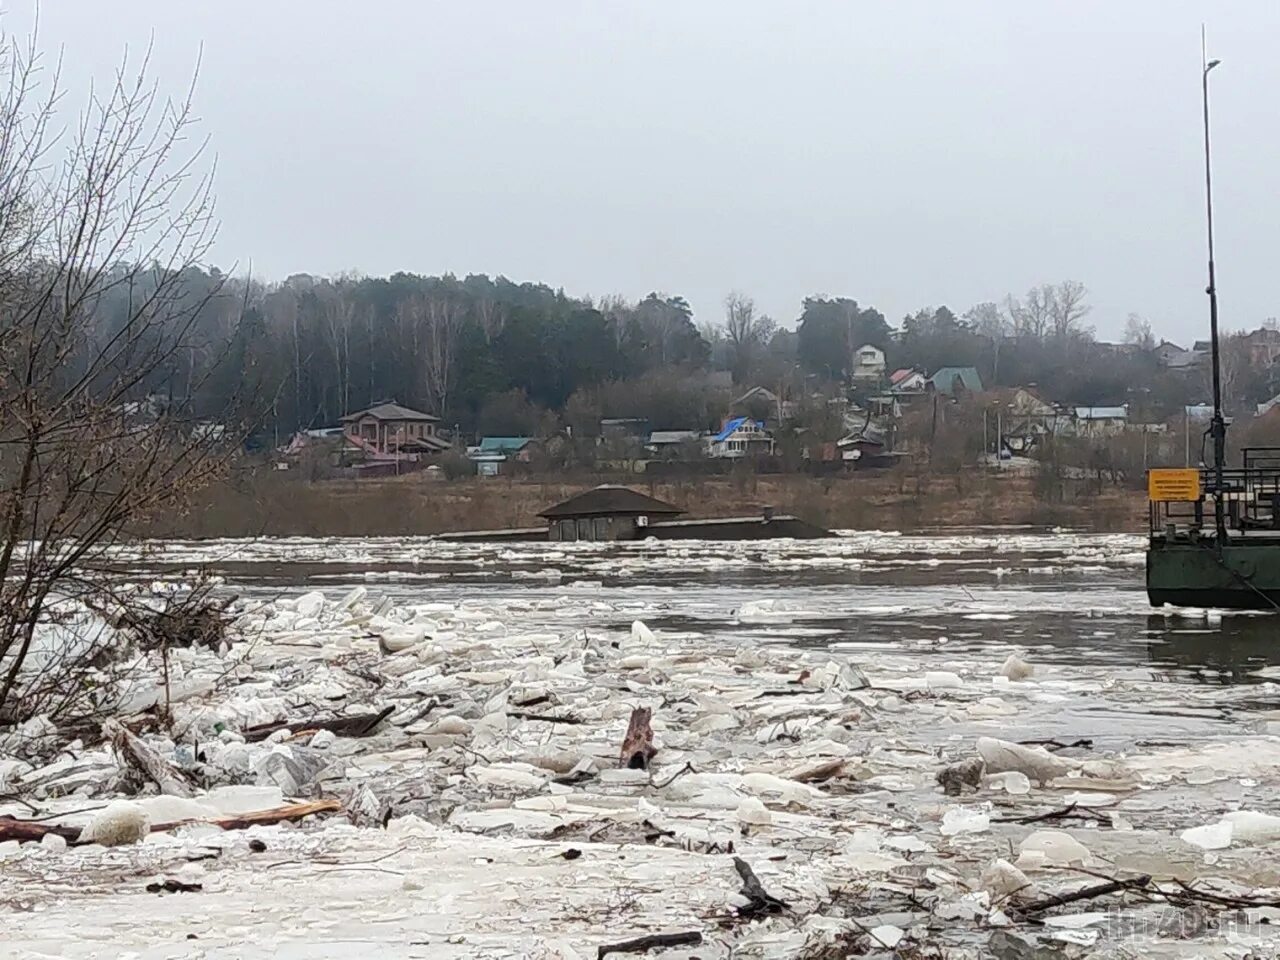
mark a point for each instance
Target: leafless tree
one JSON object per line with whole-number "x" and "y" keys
{"x": 435, "y": 322}
{"x": 1033, "y": 316}
{"x": 746, "y": 331}
{"x": 1067, "y": 308}
{"x": 93, "y": 442}
{"x": 990, "y": 322}
{"x": 1137, "y": 332}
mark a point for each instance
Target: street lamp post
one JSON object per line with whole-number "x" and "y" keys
{"x": 1218, "y": 426}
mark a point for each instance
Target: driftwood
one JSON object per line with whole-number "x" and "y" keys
{"x": 544, "y": 717}
{"x": 637, "y": 745}
{"x": 642, "y": 944}
{"x": 134, "y": 753}
{"x": 761, "y": 901}
{"x": 1052, "y": 745}
{"x": 1069, "y": 812}
{"x": 358, "y": 726}
{"x": 32, "y": 830}
{"x": 1086, "y": 893}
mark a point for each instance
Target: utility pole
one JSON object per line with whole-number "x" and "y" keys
{"x": 1218, "y": 425}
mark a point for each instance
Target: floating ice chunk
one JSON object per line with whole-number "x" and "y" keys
{"x": 942, "y": 680}
{"x": 452, "y": 725}
{"x": 120, "y": 823}
{"x": 1036, "y": 763}
{"x": 958, "y": 820}
{"x": 865, "y": 840}
{"x": 1015, "y": 668}
{"x": 787, "y": 791}
{"x": 1211, "y": 836}
{"x": 1001, "y": 879}
{"x": 907, "y": 844}
{"x": 714, "y": 722}
{"x": 753, "y": 811}
{"x": 1051, "y": 848}
{"x": 309, "y": 604}
{"x": 887, "y": 935}
{"x": 1250, "y": 826}
{"x": 1011, "y": 781}
{"x": 520, "y": 776}
{"x": 641, "y": 633}
{"x": 354, "y": 597}
{"x": 54, "y": 843}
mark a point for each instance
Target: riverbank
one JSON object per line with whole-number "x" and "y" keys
{"x": 266, "y": 503}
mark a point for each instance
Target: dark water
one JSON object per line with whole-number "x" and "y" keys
{"x": 1064, "y": 598}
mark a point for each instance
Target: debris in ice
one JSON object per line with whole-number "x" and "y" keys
{"x": 1051, "y": 848}
{"x": 966, "y": 773}
{"x": 120, "y": 822}
{"x": 1211, "y": 836}
{"x": 1015, "y": 668}
{"x": 1035, "y": 762}
{"x": 957, "y": 820}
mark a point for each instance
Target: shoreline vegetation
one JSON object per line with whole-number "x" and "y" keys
{"x": 265, "y": 503}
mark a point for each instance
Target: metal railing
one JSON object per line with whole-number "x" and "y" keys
{"x": 1250, "y": 494}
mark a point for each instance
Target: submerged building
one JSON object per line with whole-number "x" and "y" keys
{"x": 606, "y": 513}
{"x": 611, "y": 512}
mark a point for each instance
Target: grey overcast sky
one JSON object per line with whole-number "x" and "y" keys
{"x": 902, "y": 153}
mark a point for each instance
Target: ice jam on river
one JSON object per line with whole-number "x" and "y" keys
{"x": 875, "y": 745}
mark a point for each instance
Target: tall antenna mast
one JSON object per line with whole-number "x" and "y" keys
{"x": 1218, "y": 425}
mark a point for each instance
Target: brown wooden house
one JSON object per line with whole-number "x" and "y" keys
{"x": 390, "y": 430}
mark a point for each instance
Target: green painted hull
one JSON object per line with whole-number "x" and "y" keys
{"x": 1244, "y": 575}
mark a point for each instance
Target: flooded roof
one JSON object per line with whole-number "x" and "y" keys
{"x": 609, "y": 499}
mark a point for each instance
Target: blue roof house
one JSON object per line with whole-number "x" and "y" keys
{"x": 741, "y": 437}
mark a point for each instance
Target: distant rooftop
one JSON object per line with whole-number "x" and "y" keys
{"x": 944, "y": 380}
{"x": 504, "y": 444}
{"x": 610, "y": 499}
{"x": 390, "y": 411}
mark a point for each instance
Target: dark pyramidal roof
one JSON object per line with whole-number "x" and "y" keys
{"x": 390, "y": 411}
{"x": 609, "y": 499}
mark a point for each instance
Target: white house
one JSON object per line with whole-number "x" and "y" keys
{"x": 868, "y": 362}
{"x": 1100, "y": 421}
{"x": 740, "y": 437}
{"x": 907, "y": 381}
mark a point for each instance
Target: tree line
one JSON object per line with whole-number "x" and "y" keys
{"x": 490, "y": 355}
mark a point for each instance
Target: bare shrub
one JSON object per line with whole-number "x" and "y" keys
{"x": 100, "y": 232}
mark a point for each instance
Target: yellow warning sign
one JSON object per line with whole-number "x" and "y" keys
{"x": 1168, "y": 485}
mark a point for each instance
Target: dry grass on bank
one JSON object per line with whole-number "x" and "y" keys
{"x": 267, "y": 503}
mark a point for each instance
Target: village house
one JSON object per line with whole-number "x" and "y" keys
{"x": 1171, "y": 356}
{"x": 389, "y": 430}
{"x": 675, "y": 444}
{"x": 1263, "y": 346}
{"x": 907, "y": 382}
{"x": 1025, "y": 420}
{"x": 868, "y": 363}
{"x": 741, "y": 437}
{"x": 1096, "y": 422}
{"x": 494, "y": 454}
{"x": 953, "y": 381}
{"x": 761, "y": 403}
